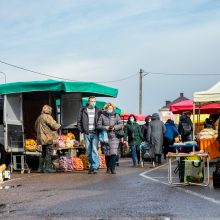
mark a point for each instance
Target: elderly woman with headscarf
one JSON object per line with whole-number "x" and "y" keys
{"x": 46, "y": 128}
{"x": 110, "y": 123}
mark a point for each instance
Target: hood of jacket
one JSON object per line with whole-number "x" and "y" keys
{"x": 169, "y": 122}
{"x": 183, "y": 118}
{"x": 155, "y": 116}
{"x": 46, "y": 110}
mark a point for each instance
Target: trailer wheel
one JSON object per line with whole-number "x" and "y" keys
{"x": 2, "y": 155}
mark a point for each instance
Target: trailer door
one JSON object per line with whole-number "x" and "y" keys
{"x": 13, "y": 123}
{"x": 70, "y": 106}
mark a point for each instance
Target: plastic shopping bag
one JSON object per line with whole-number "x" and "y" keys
{"x": 103, "y": 137}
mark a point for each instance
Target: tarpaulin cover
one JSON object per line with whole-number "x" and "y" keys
{"x": 86, "y": 88}
{"x": 187, "y": 105}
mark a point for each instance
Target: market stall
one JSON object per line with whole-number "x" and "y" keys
{"x": 187, "y": 105}
{"x": 22, "y": 103}
{"x": 203, "y": 99}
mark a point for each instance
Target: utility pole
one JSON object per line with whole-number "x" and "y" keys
{"x": 140, "y": 91}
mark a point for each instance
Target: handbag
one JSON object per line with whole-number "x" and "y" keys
{"x": 103, "y": 136}
{"x": 119, "y": 133}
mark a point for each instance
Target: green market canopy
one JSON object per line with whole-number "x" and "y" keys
{"x": 86, "y": 88}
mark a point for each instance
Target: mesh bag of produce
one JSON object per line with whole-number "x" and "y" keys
{"x": 77, "y": 163}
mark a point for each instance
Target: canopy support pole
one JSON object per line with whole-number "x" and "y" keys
{"x": 194, "y": 120}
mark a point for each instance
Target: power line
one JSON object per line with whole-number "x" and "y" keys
{"x": 119, "y": 80}
{"x": 32, "y": 71}
{"x": 56, "y": 77}
{"x": 182, "y": 74}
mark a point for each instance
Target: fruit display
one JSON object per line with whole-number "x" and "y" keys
{"x": 30, "y": 144}
{"x": 71, "y": 135}
{"x": 77, "y": 163}
{"x": 63, "y": 137}
{"x": 69, "y": 143}
{"x": 67, "y": 140}
{"x": 102, "y": 163}
{"x": 66, "y": 163}
{"x": 85, "y": 161}
{"x": 61, "y": 144}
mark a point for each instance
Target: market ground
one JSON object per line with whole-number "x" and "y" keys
{"x": 133, "y": 193}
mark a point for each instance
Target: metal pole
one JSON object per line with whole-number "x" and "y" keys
{"x": 194, "y": 111}
{"x": 140, "y": 91}
{"x": 4, "y": 75}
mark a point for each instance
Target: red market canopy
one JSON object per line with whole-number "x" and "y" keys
{"x": 138, "y": 116}
{"x": 187, "y": 105}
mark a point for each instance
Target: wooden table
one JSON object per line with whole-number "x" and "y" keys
{"x": 177, "y": 156}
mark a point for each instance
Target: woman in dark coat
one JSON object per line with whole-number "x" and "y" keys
{"x": 155, "y": 136}
{"x": 144, "y": 128}
{"x": 134, "y": 137}
{"x": 110, "y": 122}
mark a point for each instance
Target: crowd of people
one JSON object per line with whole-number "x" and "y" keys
{"x": 106, "y": 127}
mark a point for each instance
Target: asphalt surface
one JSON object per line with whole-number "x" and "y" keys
{"x": 133, "y": 193}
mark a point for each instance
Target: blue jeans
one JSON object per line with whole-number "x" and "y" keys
{"x": 91, "y": 141}
{"x": 135, "y": 152}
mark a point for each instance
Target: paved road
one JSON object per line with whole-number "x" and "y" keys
{"x": 133, "y": 193}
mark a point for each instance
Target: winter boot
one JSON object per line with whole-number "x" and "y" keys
{"x": 117, "y": 161}
{"x": 108, "y": 161}
{"x": 49, "y": 166}
{"x": 113, "y": 159}
{"x": 41, "y": 165}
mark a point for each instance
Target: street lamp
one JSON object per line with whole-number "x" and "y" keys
{"x": 4, "y": 75}
{"x": 140, "y": 88}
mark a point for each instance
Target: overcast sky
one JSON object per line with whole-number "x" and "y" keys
{"x": 97, "y": 40}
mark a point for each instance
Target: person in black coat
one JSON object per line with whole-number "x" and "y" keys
{"x": 144, "y": 128}
{"x": 185, "y": 127}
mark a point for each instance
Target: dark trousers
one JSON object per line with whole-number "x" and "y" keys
{"x": 110, "y": 162}
{"x": 166, "y": 143}
{"x": 47, "y": 151}
{"x": 157, "y": 159}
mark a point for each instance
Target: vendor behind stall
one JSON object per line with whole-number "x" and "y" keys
{"x": 185, "y": 127}
{"x": 46, "y": 128}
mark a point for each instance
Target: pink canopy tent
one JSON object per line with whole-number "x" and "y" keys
{"x": 187, "y": 105}
{"x": 138, "y": 116}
